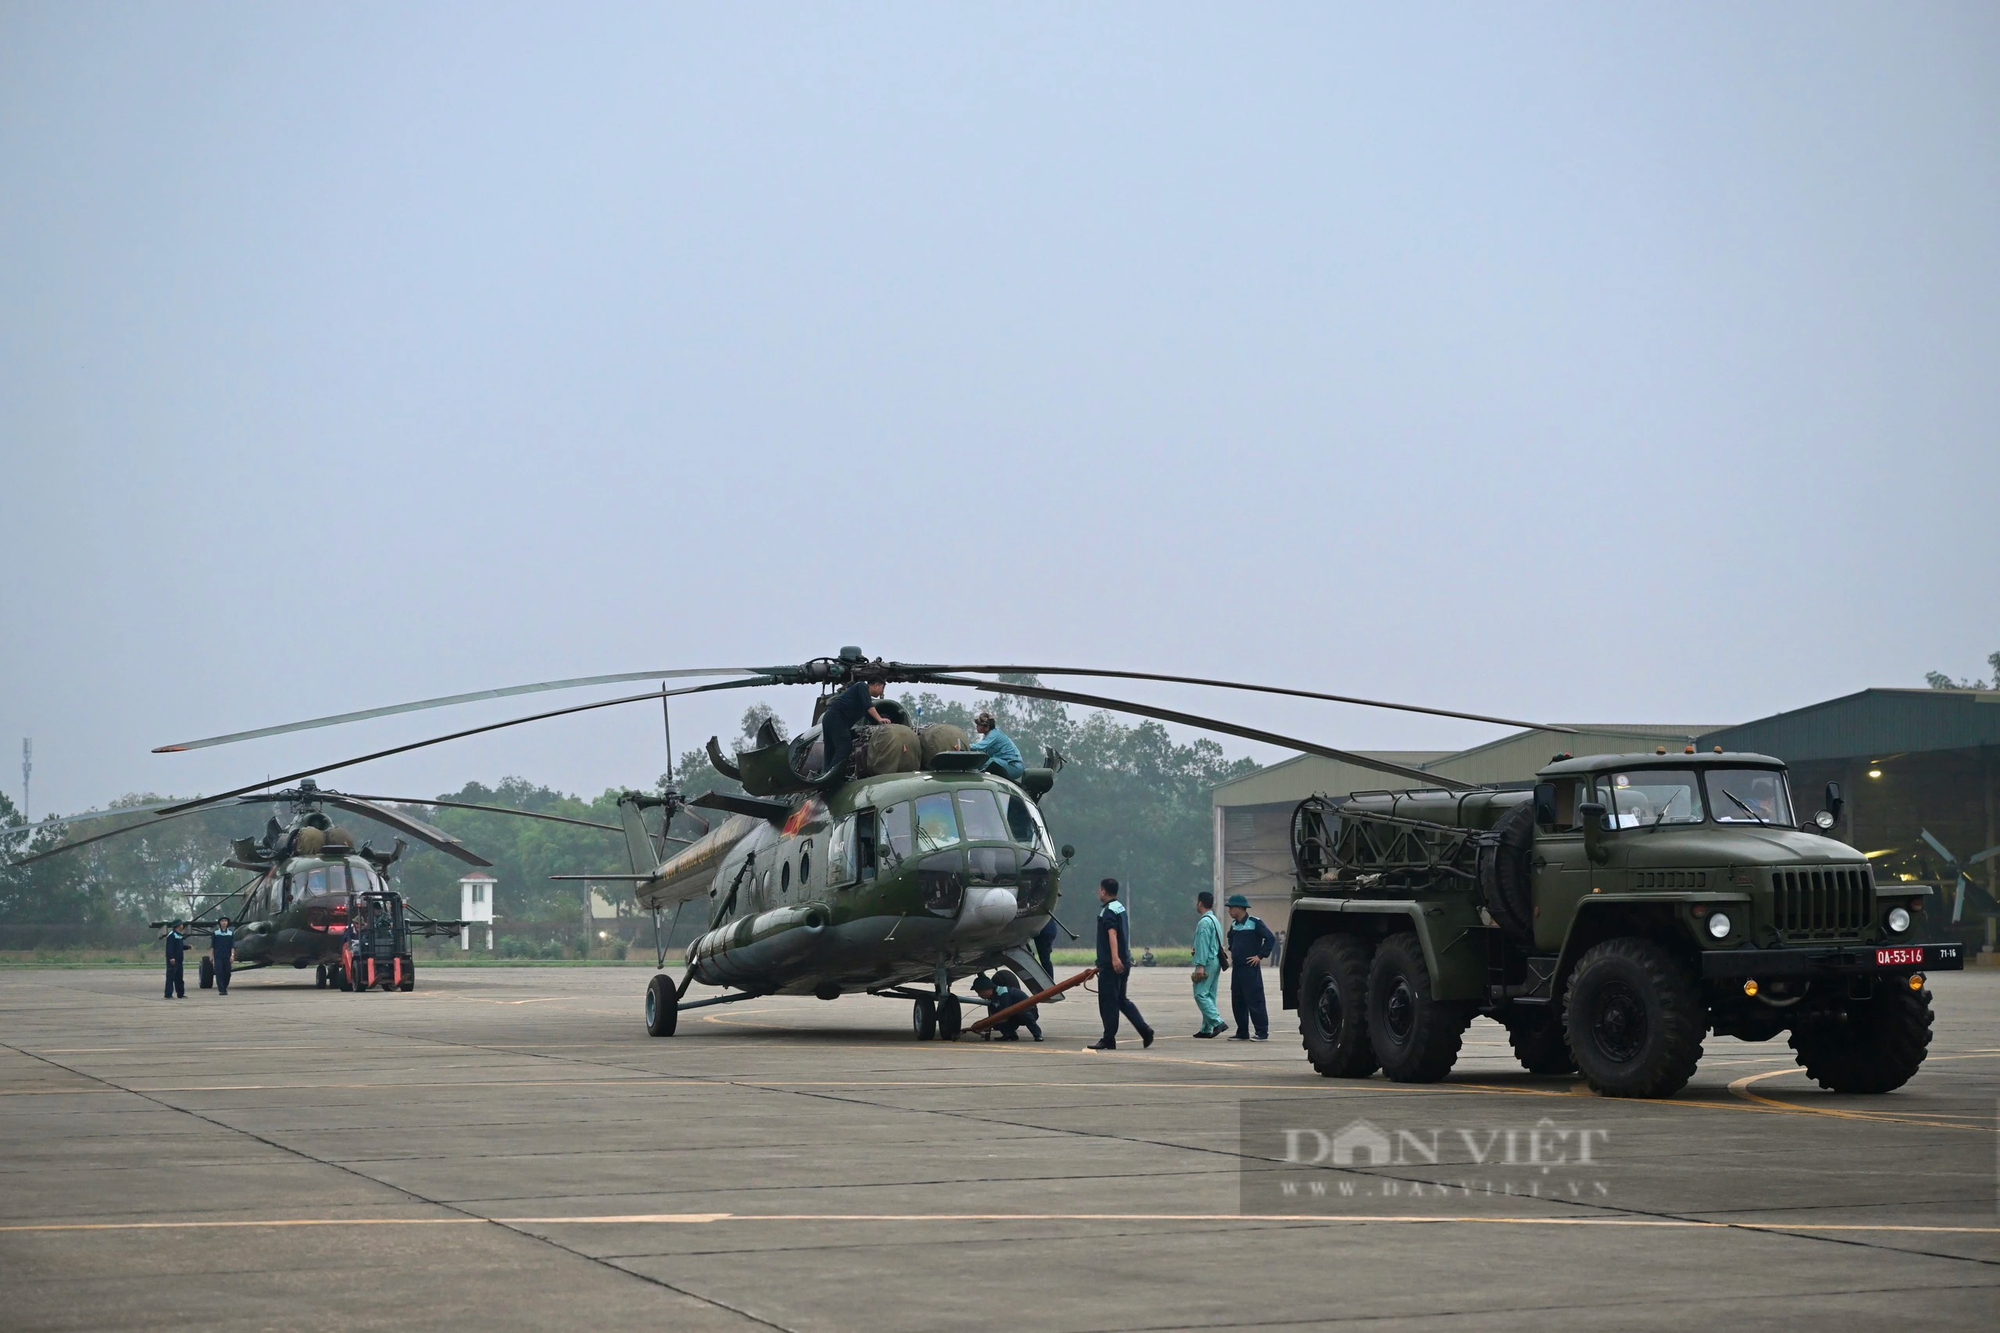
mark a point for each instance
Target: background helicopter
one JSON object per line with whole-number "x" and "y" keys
{"x": 893, "y": 883}
{"x": 315, "y": 898}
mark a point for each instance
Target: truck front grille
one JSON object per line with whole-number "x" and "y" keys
{"x": 1823, "y": 903}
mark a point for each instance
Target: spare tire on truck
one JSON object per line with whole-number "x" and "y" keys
{"x": 1506, "y": 874}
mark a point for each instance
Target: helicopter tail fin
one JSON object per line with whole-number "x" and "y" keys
{"x": 638, "y": 842}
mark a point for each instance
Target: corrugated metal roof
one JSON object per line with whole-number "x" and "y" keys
{"x": 1297, "y": 778}
{"x": 1871, "y": 724}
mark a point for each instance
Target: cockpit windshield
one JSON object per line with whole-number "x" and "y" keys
{"x": 1646, "y": 798}
{"x": 1749, "y": 796}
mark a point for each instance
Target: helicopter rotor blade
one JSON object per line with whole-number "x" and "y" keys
{"x": 445, "y": 701}
{"x": 1205, "y": 724}
{"x": 100, "y": 837}
{"x": 647, "y": 697}
{"x": 1257, "y": 689}
{"x": 1937, "y": 847}
{"x": 493, "y": 810}
{"x": 403, "y": 823}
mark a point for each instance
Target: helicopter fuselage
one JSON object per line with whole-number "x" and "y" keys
{"x": 885, "y": 881}
{"x": 298, "y": 914}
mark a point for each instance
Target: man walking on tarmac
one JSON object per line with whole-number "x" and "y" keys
{"x": 176, "y": 951}
{"x": 224, "y": 941}
{"x": 1250, "y": 943}
{"x": 1207, "y": 964}
{"x": 1114, "y": 969}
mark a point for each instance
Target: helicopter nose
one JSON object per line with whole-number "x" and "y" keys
{"x": 985, "y": 908}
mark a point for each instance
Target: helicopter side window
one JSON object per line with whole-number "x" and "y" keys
{"x": 336, "y": 879}
{"x": 840, "y": 853}
{"x": 866, "y": 843}
{"x": 980, "y": 814}
{"x": 893, "y": 845}
{"x": 937, "y": 828}
{"x": 1020, "y": 823}
{"x": 285, "y": 893}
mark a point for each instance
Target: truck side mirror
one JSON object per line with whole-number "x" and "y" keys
{"x": 1592, "y": 815}
{"x": 1545, "y": 804}
{"x": 1835, "y": 802}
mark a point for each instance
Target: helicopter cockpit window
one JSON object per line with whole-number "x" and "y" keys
{"x": 894, "y": 841}
{"x": 1021, "y": 821}
{"x": 315, "y": 882}
{"x": 936, "y": 828}
{"x": 980, "y": 814}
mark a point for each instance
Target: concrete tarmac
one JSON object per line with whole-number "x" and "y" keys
{"x": 508, "y": 1149}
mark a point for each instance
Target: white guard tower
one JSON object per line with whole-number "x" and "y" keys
{"x": 475, "y": 904}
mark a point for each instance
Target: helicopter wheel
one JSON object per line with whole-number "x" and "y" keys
{"x": 663, "y": 1006}
{"x": 924, "y": 1019}
{"x": 949, "y": 1019}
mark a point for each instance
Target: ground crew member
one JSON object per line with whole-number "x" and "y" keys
{"x": 1004, "y": 991}
{"x": 1250, "y": 943}
{"x": 1045, "y": 947}
{"x": 176, "y": 951}
{"x": 842, "y": 716}
{"x": 223, "y": 942}
{"x": 1207, "y": 964}
{"x": 1002, "y": 755}
{"x": 1114, "y": 969}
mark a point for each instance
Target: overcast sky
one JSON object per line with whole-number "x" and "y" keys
{"x": 1577, "y": 362}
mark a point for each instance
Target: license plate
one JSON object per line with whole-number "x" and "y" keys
{"x": 1899, "y": 957}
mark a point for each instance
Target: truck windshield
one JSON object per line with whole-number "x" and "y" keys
{"x": 1749, "y": 796}
{"x": 1648, "y": 797}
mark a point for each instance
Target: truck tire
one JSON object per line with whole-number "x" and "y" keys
{"x": 1413, "y": 1037}
{"x": 1536, "y": 1034}
{"x": 1878, "y": 1048}
{"x": 1635, "y": 1019}
{"x": 1506, "y": 874}
{"x": 663, "y": 1006}
{"x": 1333, "y": 1007}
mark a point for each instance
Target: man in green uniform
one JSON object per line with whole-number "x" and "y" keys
{"x": 1207, "y": 964}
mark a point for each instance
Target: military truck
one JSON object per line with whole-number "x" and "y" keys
{"x": 1610, "y": 917}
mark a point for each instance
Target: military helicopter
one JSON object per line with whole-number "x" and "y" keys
{"x": 837, "y": 874}
{"x": 315, "y": 899}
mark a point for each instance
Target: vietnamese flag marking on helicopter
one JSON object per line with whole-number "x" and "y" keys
{"x": 802, "y": 817}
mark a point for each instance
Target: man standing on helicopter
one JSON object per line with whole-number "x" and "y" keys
{"x": 842, "y": 716}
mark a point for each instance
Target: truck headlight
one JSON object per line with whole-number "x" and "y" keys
{"x": 1899, "y": 920}
{"x": 1718, "y": 925}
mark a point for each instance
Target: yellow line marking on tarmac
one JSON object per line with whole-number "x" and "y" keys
{"x": 1312, "y": 1219}
{"x": 1741, "y": 1087}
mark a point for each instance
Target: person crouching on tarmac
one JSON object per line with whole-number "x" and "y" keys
{"x": 1003, "y": 991}
{"x": 1114, "y": 969}
{"x": 1207, "y": 964}
{"x": 1250, "y": 943}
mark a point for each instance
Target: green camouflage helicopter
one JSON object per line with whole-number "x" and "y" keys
{"x": 315, "y": 899}
{"x": 845, "y": 873}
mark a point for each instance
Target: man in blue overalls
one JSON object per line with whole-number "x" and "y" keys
{"x": 1114, "y": 968}
{"x": 176, "y": 951}
{"x": 1250, "y": 943}
{"x": 223, "y": 941}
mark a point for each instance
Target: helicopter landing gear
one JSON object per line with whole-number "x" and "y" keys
{"x": 948, "y": 1018}
{"x": 924, "y": 1018}
{"x": 663, "y": 1006}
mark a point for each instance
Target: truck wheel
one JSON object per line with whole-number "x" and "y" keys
{"x": 1414, "y": 1037}
{"x": 923, "y": 1018}
{"x": 1536, "y": 1034}
{"x": 949, "y": 1018}
{"x": 1333, "y": 1007}
{"x": 1635, "y": 1019}
{"x": 1506, "y": 877}
{"x": 409, "y": 982}
{"x": 1877, "y": 1048}
{"x": 319, "y": 977}
{"x": 207, "y": 973}
{"x": 663, "y": 1006}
